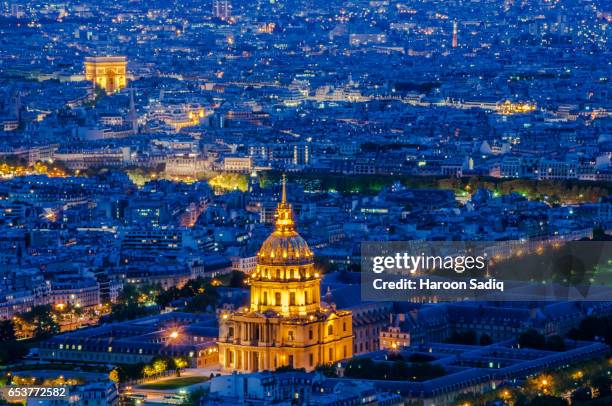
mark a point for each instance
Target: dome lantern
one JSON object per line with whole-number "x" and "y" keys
{"x": 285, "y": 245}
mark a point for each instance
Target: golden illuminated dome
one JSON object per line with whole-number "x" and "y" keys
{"x": 284, "y": 246}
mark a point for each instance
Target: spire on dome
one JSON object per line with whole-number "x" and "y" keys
{"x": 284, "y": 246}
{"x": 284, "y": 212}
{"x": 284, "y": 194}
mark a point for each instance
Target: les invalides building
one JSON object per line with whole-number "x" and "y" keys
{"x": 286, "y": 324}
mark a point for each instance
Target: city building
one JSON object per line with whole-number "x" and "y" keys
{"x": 238, "y": 164}
{"x": 185, "y": 335}
{"x": 285, "y": 324}
{"x": 297, "y": 387}
{"x": 393, "y": 339}
{"x": 221, "y": 9}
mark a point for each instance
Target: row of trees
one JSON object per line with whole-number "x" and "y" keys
{"x": 18, "y": 333}
{"x": 134, "y": 301}
{"x": 228, "y": 181}
{"x": 140, "y": 300}
{"x": 586, "y": 382}
{"x": 13, "y": 164}
{"x": 199, "y": 294}
{"x": 348, "y": 184}
{"x": 219, "y": 181}
{"x": 157, "y": 366}
{"x": 554, "y": 191}
{"x": 40, "y": 322}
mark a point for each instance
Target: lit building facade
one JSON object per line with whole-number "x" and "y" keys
{"x": 221, "y": 9}
{"x": 286, "y": 324}
{"x": 238, "y": 164}
{"x": 107, "y": 72}
{"x": 394, "y": 339}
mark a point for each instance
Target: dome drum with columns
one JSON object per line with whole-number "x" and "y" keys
{"x": 286, "y": 324}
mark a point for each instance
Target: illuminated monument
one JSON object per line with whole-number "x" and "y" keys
{"x": 286, "y": 324}
{"x": 455, "y": 39}
{"x": 107, "y": 72}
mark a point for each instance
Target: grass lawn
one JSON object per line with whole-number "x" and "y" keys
{"x": 174, "y": 383}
